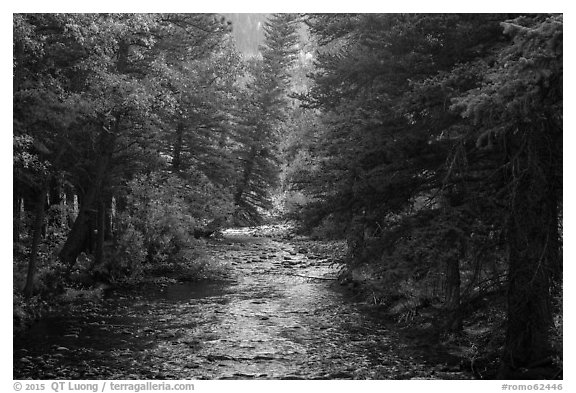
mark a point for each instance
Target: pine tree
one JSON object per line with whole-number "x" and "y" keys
{"x": 517, "y": 112}
{"x": 93, "y": 101}
{"x": 262, "y": 115}
{"x": 398, "y": 160}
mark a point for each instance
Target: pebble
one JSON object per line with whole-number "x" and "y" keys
{"x": 263, "y": 357}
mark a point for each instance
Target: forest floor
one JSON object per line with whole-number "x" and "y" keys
{"x": 277, "y": 313}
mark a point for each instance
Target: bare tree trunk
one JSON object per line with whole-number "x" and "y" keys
{"x": 37, "y": 228}
{"x": 121, "y": 204}
{"x": 242, "y": 186}
{"x": 248, "y": 168}
{"x": 16, "y": 214}
{"x": 533, "y": 261}
{"x": 454, "y": 319}
{"x": 529, "y": 308}
{"x": 100, "y": 227}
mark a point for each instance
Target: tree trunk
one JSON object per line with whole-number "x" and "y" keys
{"x": 454, "y": 319}
{"x": 534, "y": 251}
{"x": 529, "y": 309}
{"x": 18, "y": 74}
{"x": 37, "y": 228}
{"x": 29, "y": 201}
{"x": 54, "y": 192}
{"x": 16, "y": 214}
{"x": 121, "y": 203}
{"x": 77, "y": 236}
{"x": 53, "y": 199}
{"x": 90, "y": 239}
{"x": 100, "y": 234}
{"x": 532, "y": 261}
{"x": 248, "y": 168}
{"x": 107, "y": 142}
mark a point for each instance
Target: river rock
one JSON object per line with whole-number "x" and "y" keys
{"x": 242, "y": 375}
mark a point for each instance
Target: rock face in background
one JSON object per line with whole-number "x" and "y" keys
{"x": 247, "y": 31}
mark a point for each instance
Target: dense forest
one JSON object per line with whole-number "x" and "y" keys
{"x": 430, "y": 143}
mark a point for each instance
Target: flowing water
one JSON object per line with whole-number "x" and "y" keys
{"x": 280, "y": 315}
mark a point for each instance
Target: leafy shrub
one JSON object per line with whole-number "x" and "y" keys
{"x": 156, "y": 232}
{"x": 72, "y": 295}
{"x": 128, "y": 255}
{"x": 26, "y": 310}
{"x": 330, "y": 228}
{"x": 51, "y": 277}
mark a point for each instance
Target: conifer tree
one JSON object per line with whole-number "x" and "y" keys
{"x": 442, "y": 140}
{"x": 262, "y": 115}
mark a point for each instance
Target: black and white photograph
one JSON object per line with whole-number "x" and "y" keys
{"x": 286, "y": 196}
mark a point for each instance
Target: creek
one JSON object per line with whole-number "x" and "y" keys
{"x": 279, "y": 314}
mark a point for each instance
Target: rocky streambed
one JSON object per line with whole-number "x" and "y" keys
{"x": 278, "y": 314}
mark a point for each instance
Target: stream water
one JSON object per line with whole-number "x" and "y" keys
{"x": 280, "y": 315}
